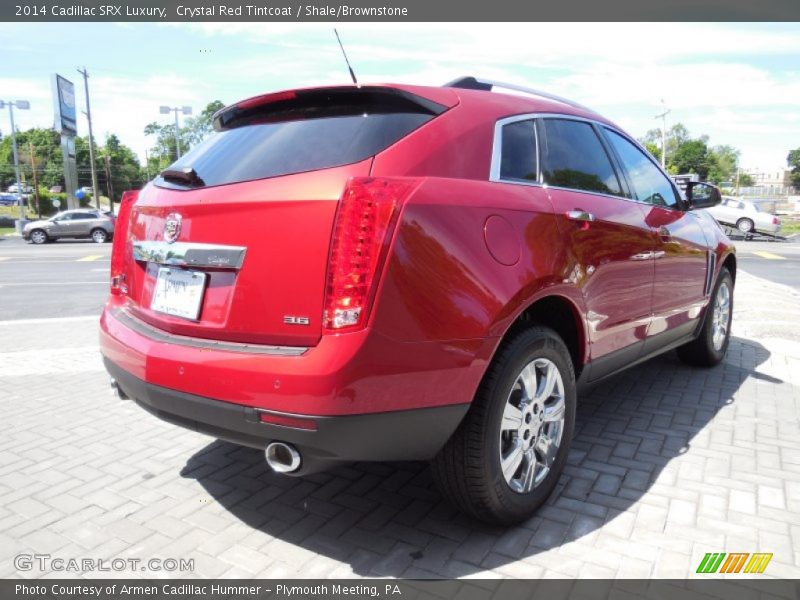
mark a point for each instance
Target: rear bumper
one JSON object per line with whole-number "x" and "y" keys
{"x": 398, "y": 435}
{"x": 347, "y": 374}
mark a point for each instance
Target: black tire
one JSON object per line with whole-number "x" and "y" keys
{"x": 703, "y": 351}
{"x": 99, "y": 235}
{"x": 468, "y": 469}
{"x": 39, "y": 236}
{"x": 746, "y": 226}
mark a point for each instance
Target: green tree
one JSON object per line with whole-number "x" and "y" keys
{"x": 194, "y": 131}
{"x": 723, "y": 162}
{"x": 793, "y": 161}
{"x": 691, "y": 157}
{"x": 745, "y": 180}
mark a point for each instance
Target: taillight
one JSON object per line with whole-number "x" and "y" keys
{"x": 361, "y": 234}
{"x": 776, "y": 221}
{"x": 118, "y": 283}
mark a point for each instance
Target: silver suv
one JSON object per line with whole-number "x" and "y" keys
{"x": 82, "y": 223}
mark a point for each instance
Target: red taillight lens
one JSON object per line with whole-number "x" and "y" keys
{"x": 118, "y": 284}
{"x": 361, "y": 234}
{"x": 776, "y": 221}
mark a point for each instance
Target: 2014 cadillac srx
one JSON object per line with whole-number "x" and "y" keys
{"x": 392, "y": 272}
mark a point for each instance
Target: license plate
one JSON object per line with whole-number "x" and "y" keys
{"x": 179, "y": 292}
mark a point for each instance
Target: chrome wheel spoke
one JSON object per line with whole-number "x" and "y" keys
{"x": 547, "y": 450}
{"x": 512, "y": 418}
{"x": 554, "y": 412}
{"x": 529, "y": 472}
{"x": 510, "y": 463}
{"x": 527, "y": 379}
{"x": 549, "y": 383}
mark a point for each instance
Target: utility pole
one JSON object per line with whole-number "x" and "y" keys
{"x": 663, "y": 117}
{"x": 110, "y": 186}
{"x": 186, "y": 110}
{"x": 35, "y": 180}
{"x": 22, "y": 105}
{"x": 88, "y": 113}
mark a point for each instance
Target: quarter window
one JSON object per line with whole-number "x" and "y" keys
{"x": 518, "y": 152}
{"x": 573, "y": 157}
{"x": 649, "y": 184}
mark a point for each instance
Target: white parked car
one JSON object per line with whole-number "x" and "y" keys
{"x": 746, "y": 216}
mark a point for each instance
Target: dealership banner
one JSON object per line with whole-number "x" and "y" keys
{"x": 404, "y": 11}
{"x": 391, "y": 589}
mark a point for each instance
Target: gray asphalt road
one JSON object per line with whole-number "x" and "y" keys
{"x": 777, "y": 261}
{"x": 70, "y": 278}
{"x": 63, "y": 279}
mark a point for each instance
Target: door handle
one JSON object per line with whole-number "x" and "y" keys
{"x": 579, "y": 215}
{"x": 664, "y": 234}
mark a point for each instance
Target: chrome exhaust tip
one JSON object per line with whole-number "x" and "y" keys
{"x": 117, "y": 391}
{"x": 282, "y": 458}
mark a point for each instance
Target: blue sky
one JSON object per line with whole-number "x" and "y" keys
{"x": 737, "y": 83}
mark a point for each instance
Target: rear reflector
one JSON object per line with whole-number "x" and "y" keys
{"x": 286, "y": 421}
{"x": 361, "y": 235}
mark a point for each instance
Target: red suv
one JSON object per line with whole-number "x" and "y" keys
{"x": 392, "y": 272}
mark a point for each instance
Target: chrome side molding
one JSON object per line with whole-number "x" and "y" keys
{"x": 188, "y": 254}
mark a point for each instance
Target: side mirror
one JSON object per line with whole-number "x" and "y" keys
{"x": 702, "y": 195}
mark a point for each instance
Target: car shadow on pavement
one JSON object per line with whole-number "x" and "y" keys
{"x": 389, "y": 519}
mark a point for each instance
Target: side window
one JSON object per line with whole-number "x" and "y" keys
{"x": 649, "y": 184}
{"x": 518, "y": 152}
{"x": 573, "y": 157}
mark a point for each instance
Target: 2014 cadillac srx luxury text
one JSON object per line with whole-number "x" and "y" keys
{"x": 392, "y": 272}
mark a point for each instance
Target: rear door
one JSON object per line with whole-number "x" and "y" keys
{"x": 682, "y": 256}
{"x": 606, "y": 232}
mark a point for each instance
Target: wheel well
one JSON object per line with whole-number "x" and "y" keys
{"x": 560, "y": 315}
{"x": 730, "y": 264}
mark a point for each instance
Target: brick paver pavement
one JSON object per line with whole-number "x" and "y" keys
{"x": 668, "y": 463}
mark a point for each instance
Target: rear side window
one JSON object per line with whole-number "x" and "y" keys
{"x": 573, "y": 157}
{"x": 649, "y": 184}
{"x": 518, "y": 152}
{"x": 310, "y": 131}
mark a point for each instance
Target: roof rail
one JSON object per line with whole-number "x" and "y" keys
{"x": 487, "y": 85}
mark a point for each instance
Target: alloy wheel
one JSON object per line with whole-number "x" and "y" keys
{"x": 721, "y": 317}
{"x": 532, "y": 425}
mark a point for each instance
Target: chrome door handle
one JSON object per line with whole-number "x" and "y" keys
{"x": 664, "y": 234}
{"x": 579, "y": 215}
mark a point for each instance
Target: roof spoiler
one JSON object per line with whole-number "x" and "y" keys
{"x": 296, "y": 104}
{"x": 487, "y": 85}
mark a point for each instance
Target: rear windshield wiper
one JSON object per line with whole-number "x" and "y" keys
{"x": 185, "y": 175}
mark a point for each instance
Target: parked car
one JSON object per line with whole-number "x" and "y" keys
{"x": 16, "y": 188}
{"x": 394, "y": 272}
{"x": 9, "y": 199}
{"x": 81, "y": 223}
{"x": 746, "y": 216}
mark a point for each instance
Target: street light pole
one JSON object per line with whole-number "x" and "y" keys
{"x": 186, "y": 110}
{"x": 663, "y": 117}
{"x": 95, "y": 188}
{"x": 22, "y": 105}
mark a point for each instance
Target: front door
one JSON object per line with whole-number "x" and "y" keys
{"x": 680, "y": 249}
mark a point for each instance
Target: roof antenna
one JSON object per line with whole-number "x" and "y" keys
{"x": 353, "y": 75}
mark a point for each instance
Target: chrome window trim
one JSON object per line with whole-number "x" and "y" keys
{"x": 190, "y": 254}
{"x": 497, "y": 147}
{"x": 158, "y": 335}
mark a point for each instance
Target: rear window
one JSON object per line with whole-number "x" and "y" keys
{"x": 314, "y": 130}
